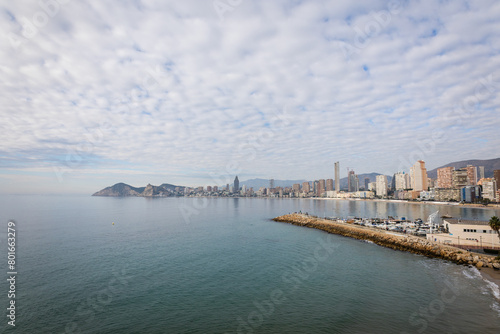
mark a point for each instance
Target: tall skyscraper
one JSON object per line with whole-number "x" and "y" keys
{"x": 337, "y": 176}
{"x": 271, "y": 183}
{"x": 381, "y": 187}
{"x": 445, "y": 177}
{"x": 460, "y": 178}
{"x": 306, "y": 187}
{"x": 496, "y": 176}
{"x": 418, "y": 174}
{"x": 481, "y": 172}
{"x": 329, "y": 184}
{"x": 471, "y": 175}
{"x": 352, "y": 181}
{"x": 236, "y": 187}
{"x": 367, "y": 182}
{"x": 400, "y": 181}
{"x": 321, "y": 187}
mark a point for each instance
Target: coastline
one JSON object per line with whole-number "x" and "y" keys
{"x": 488, "y": 265}
{"x": 491, "y": 206}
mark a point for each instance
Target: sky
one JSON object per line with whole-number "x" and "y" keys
{"x": 192, "y": 93}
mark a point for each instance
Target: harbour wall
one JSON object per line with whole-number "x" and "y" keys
{"x": 402, "y": 242}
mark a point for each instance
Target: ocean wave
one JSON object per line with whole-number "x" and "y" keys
{"x": 472, "y": 273}
{"x": 490, "y": 288}
{"x": 494, "y": 288}
{"x": 495, "y": 307}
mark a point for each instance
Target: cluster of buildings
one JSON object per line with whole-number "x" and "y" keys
{"x": 467, "y": 184}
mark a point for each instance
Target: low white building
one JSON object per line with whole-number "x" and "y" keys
{"x": 471, "y": 234}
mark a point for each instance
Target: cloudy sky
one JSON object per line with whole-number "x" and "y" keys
{"x": 194, "y": 92}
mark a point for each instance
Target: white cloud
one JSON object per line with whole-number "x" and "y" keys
{"x": 170, "y": 88}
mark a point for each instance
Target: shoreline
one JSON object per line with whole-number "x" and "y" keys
{"x": 466, "y": 205}
{"x": 488, "y": 265}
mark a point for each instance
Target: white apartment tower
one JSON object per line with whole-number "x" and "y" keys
{"x": 418, "y": 174}
{"x": 382, "y": 185}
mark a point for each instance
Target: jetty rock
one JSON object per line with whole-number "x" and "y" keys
{"x": 393, "y": 240}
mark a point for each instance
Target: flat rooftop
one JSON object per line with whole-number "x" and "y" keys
{"x": 465, "y": 221}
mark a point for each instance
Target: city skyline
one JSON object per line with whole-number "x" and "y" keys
{"x": 256, "y": 89}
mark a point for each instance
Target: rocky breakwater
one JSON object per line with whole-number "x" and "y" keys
{"x": 402, "y": 242}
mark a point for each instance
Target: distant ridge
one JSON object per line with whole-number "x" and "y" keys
{"x": 123, "y": 189}
{"x": 489, "y": 166}
{"x": 166, "y": 189}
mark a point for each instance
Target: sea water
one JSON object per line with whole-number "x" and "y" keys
{"x": 220, "y": 265}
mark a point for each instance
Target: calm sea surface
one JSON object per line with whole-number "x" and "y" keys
{"x": 184, "y": 265}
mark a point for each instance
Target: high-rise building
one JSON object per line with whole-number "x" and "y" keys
{"x": 445, "y": 177}
{"x": 337, "y": 177}
{"x": 470, "y": 194}
{"x": 236, "y": 185}
{"x": 271, "y": 183}
{"x": 400, "y": 181}
{"x": 321, "y": 187}
{"x": 381, "y": 185}
{"x": 489, "y": 188}
{"x": 418, "y": 174}
{"x": 471, "y": 175}
{"x": 209, "y": 188}
{"x": 215, "y": 188}
{"x": 372, "y": 186}
{"x": 431, "y": 183}
{"x": 460, "y": 178}
{"x": 352, "y": 182}
{"x": 496, "y": 176}
{"x": 367, "y": 182}
{"x": 481, "y": 172}
{"x": 296, "y": 187}
{"x": 315, "y": 187}
{"x": 356, "y": 183}
{"x": 329, "y": 184}
{"x": 306, "y": 187}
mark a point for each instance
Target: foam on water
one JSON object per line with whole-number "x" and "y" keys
{"x": 489, "y": 288}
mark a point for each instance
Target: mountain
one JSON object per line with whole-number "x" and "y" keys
{"x": 489, "y": 166}
{"x": 122, "y": 189}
